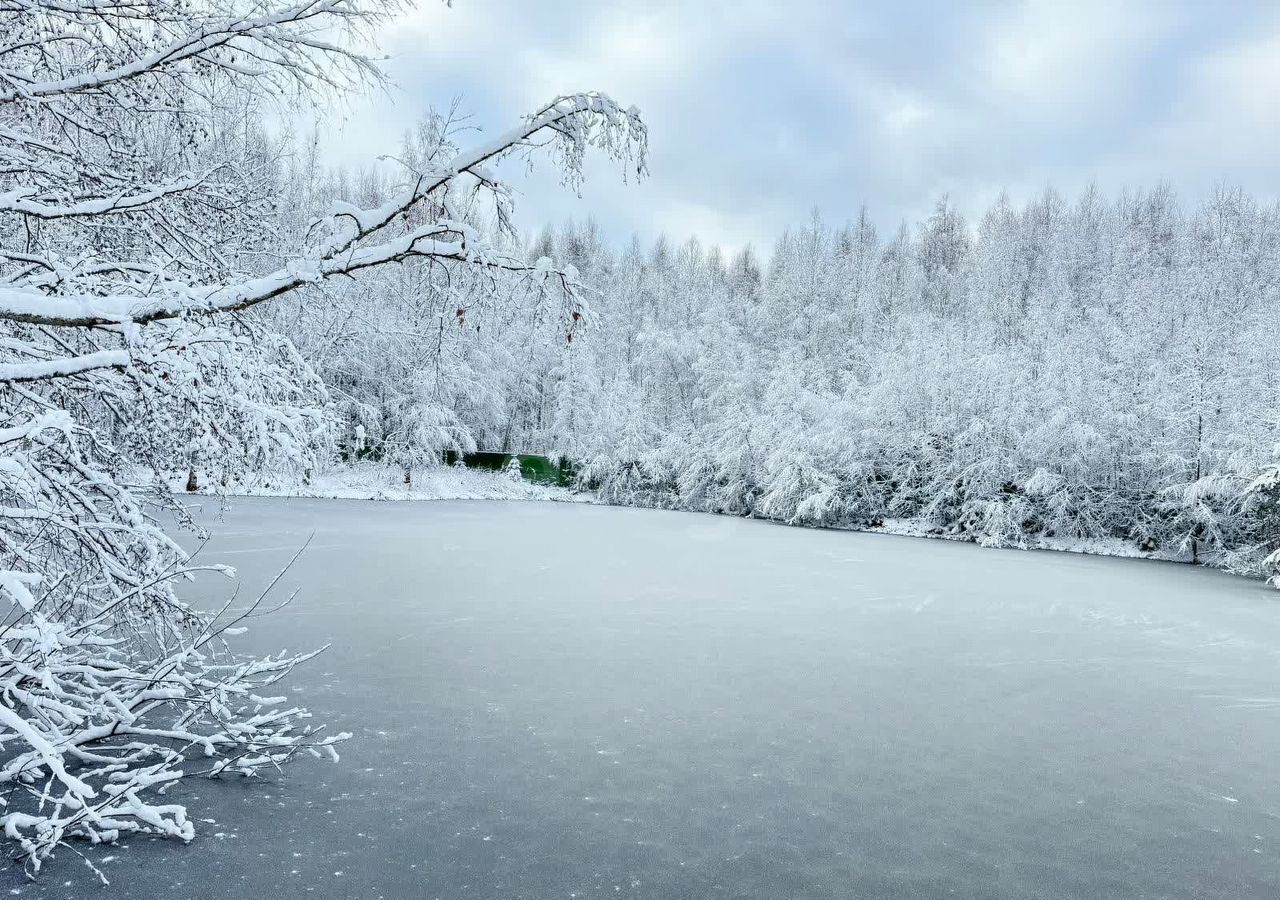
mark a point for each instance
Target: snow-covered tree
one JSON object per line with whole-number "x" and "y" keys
{"x": 142, "y": 221}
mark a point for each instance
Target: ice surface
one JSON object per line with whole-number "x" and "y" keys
{"x": 554, "y": 701}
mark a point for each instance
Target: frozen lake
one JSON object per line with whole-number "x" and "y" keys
{"x": 558, "y": 701}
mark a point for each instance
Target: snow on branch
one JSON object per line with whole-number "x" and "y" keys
{"x": 45, "y": 369}
{"x": 280, "y": 38}
{"x": 28, "y": 202}
{"x": 574, "y": 124}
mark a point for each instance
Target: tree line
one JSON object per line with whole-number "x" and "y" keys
{"x": 1090, "y": 371}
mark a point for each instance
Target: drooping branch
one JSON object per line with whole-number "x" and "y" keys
{"x": 36, "y": 308}
{"x": 575, "y": 122}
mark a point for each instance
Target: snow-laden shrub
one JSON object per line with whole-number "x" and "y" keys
{"x": 1003, "y": 522}
{"x": 1200, "y": 517}
{"x": 801, "y": 492}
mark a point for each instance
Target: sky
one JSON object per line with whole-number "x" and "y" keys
{"x": 761, "y": 112}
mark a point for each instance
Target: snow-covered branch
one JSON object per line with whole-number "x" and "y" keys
{"x": 276, "y": 31}
{"x": 41, "y": 370}
{"x": 576, "y": 122}
{"x": 28, "y": 202}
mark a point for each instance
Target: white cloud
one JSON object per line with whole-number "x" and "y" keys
{"x": 1229, "y": 113}
{"x": 622, "y": 49}
{"x": 759, "y": 111}
{"x": 1056, "y": 56}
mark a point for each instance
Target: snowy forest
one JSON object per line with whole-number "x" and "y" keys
{"x": 191, "y": 295}
{"x": 1075, "y": 372}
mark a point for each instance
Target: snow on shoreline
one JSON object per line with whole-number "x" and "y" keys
{"x": 376, "y": 482}
{"x": 1089, "y": 547}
